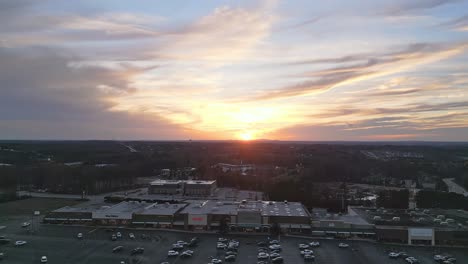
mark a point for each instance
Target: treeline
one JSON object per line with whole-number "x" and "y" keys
{"x": 60, "y": 178}
{"x": 8, "y": 183}
{"x": 393, "y": 199}
{"x": 432, "y": 199}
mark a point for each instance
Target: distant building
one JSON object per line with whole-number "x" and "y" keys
{"x": 165, "y": 187}
{"x": 187, "y": 188}
{"x": 199, "y": 188}
{"x": 242, "y": 168}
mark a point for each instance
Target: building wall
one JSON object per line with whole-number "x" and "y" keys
{"x": 199, "y": 189}
{"x": 152, "y": 218}
{"x": 392, "y": 235}
{"x": 451, "y": 237}
{"x": 69, "y": 216}
{"x": 289, "y": 220}
{"x": 164, "y": 189}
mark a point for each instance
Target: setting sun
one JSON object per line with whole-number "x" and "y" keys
{"x": 246, "y": 135}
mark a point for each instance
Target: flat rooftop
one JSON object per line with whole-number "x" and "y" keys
{"x": 266, "y": 208}
{"x": 165, "y": 182}
{"x": 87, "y": 207}
{"x": 211, "y": 207}
{"x": 195, "y": 182}
{"x": 123, "y": 210}
{"x": 162, "y": 209}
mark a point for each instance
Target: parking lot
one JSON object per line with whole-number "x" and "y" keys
{"x": 61, "y": 245}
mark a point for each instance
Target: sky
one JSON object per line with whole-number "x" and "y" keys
{"x": 367, "y": 70}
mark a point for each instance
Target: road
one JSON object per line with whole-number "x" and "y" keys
{"x": 454, "y": 187}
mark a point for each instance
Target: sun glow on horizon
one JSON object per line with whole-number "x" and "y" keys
{"x": 246, "y": 135}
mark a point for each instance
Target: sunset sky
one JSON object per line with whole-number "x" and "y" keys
{"x": 281, "y": 70}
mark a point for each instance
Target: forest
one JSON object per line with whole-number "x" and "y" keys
{"x": 292, "y": 171}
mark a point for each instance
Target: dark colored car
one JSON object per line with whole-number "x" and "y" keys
{"x": 138, "y": 250}
{"x": 117, "y": 249}
{"x": 277, "y": 260}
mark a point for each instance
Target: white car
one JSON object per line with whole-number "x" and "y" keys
{"x": 119, "y": 235}
{"x": 180, "y": 242}
{"x": 393, "y": 255}
{"x": 303, "y": 246}
{"x": 274, "y": 255}
{"x": 343, "y": 245}
{"x": 25, "y": 224}
{"x": 131, "y": 235}
{"x": 216, "y": 261}
{"x": 80, "y": 235}
{"x": 309, "y": 257}
{"x": 221, "y": 246}
{"x": 307, "y": 252}
{"x": 411, "y": 260}
{"x": 43, "y": 259}
{"x": 275, "y": 246}
{"x": 263, "y": 255}
{"x": 172, "y": 253}
{"x": 20, "y": 243}
{"x": 314, "y": 244}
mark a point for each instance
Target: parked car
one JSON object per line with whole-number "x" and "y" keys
{"x": 277, "y": 260}
{"x": 230, "y": 258}
{"x": 216, "y": 261}
{"x": 131, "y": 236}
{"x": 113, "y": 237}
{"x": 262, "y": 244}
{"x": 275, "y": 246}
{"x": 263, "y": 255}
{"x": 343, "y": 245}
{"x": 20, "y": 243}
{"x": 274, "y": 255}
{"x": 79, "y": 236}
{"x": 138, "y": 250}
{"x": 303, "y": 246}
{"x": 25, "y": 224}
{"x": 186, "y": 254}
{"x": 172, "y": 253}
{"x": 119, "y": 235}
{"x": 307, "y": 252}
{"x": 314, "y": 244}
{"x": 393, "y": 255}
{"x": 43, "y": 259}
{"x": 117, "y": 249}
{"x": 177, "y": 246}
{"x": 309, "y": 257}
{"x": 220, "y": 245}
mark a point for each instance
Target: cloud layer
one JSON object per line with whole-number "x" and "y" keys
{"x": 394, "y": 70}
